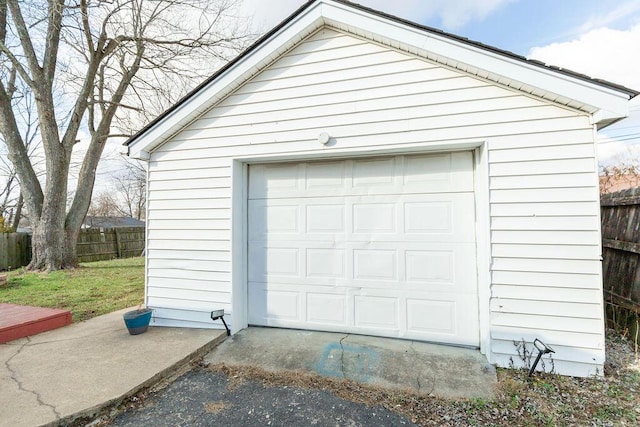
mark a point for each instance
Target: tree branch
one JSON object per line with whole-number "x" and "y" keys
{"x": 87, "y": 175}
{"x": 19, "y": 155}
{"x": 52, "y": 40}
{"x": 85, "y": 25}
{"x": 17, "y": 65}
{"x": 25, "y": 41}
{"x": 3, "y": 21}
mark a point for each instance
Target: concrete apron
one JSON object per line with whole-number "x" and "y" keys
{"x": 444, "y": 371}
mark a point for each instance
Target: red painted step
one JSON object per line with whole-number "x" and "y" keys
{"x": 19, "y": 321}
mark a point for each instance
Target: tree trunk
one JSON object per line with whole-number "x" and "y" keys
{"x": 54, "y": 246}
{"x": 48, "y": 244}
{"x": 71, "y": 247}
{"x": 49, "y": 235}
{"x": 18, "y": 213}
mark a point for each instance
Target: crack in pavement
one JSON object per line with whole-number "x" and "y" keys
{"x": 14, "y": 377}
{"x": 342, "y": 355}
{"x": 433, "y": 379}
{"x": 75, "y": 338}
{"x": 415, "y": 353}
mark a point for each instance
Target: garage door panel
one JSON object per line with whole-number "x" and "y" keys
{"x": 388, "y": 190}
{"x": 430, "y": 316}
{"x": 277, "y": 219}
{"x": 411, "y": 266}
{"x": 273, "y": 179}
{"x": 372, "y": 173}
{"x": 324, "y": 176}
{"x": 326, "y": 262}
{"x": 428, "y": 217}
{"x": 274, "y": 262}
{"x": 429, "y": 266}
{"x": 424, "y": 218}
{"x": 432, "y": 173}
{"x": 267, "y": 305}
{"x": 382, "y": 246}
{"x": 325, "y": 218}
{"x": 376, "y": 312}
{"x": 374, "y": 217}
{"x": 325, "y": 308}
{"x": 375, "y": 264}
{"x": 421, "y": 316}
{"x": 442, "y": 266}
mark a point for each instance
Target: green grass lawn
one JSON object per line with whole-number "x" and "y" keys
{"x": 91, "y": 290}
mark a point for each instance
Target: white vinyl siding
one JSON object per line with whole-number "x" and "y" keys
{"x": 542, "y": 183}
{"x": 546, "y": 269}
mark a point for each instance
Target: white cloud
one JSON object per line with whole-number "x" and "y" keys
{"x": 454, "y": 14}
{"x": 603, "y": 53}
{"x": 610, "y": 55}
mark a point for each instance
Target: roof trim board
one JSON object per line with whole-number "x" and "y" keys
{"x": 606, "y": 101}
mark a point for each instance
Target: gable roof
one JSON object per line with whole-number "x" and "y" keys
{"x": 606, "y": 101}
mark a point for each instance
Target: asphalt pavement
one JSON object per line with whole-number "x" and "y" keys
{"x": 204, "y": 398}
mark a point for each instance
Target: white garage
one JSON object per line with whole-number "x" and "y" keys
{"x": 379, "y": 246}
{"x": 360, "y": 173}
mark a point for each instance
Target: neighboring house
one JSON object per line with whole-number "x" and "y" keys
{"x": 356, "y": 172}
{"x": 111, "y": 222}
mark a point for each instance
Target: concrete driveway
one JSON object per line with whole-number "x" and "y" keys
{"x": 444, "y": 371}
{"x": 75, "y": 371}
{"x": 222, "y": 397}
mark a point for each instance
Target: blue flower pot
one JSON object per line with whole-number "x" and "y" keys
{"x": 137, "y": 321}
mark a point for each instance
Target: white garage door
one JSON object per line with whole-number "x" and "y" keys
{"x": 380, "y": 246}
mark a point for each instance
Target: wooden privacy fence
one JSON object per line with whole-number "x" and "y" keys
{"x": 15, "y": 250}
{"x": 94, "y": 244}
{"x": 98, "y": 244}
{"x": 620, "y": 213}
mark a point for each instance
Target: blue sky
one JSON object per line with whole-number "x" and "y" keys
{"x": 521, "y": 25}
{"x": 516, "y": 25}
{"x": 600, "y": 38}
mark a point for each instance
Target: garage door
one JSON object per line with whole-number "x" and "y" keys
{"x": 379, "y": 246}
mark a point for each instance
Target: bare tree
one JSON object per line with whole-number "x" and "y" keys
{"x": 104, "y": 59}
{"x": 127, "y": 195}
{"x": 131, "y": 186}
{"x": 104, "y": 204}
{"x": 619, "y": 176}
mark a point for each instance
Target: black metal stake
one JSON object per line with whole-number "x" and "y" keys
{"x": 219, "y": 314}
{"x": 542, "y": 349}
